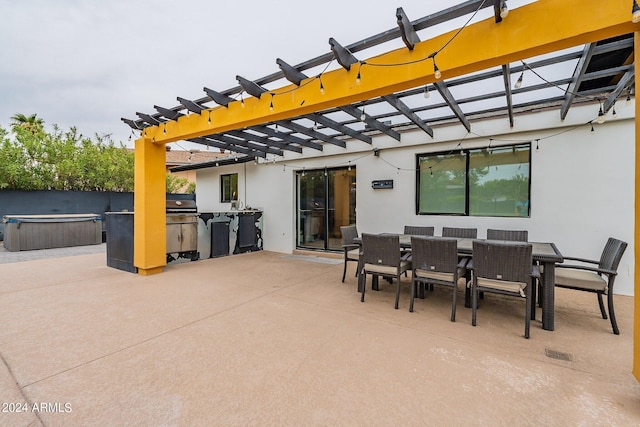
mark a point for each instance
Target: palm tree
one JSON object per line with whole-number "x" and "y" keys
{"x": 31, "y": 123}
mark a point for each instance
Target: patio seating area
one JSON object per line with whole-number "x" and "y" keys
{"x": 266, "y": 338}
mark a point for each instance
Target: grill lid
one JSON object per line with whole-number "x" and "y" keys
{"x": 181, "y": 206}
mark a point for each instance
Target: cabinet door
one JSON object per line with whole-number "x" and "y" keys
{"x": 189, "y": 237}
{"x": 174, "y": 238}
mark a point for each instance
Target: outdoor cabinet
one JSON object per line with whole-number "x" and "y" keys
{"x": 219, "y": 239}
{"x": 182, "y": 233}
{"x": 246, "y": 230}
{"x": 120, "y": 241}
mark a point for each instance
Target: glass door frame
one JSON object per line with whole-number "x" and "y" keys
{"x": 327, "y": 207}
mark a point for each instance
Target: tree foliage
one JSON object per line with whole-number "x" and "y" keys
{"x": 33, "y": 159}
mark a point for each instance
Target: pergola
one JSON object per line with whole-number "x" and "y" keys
{"x": 581, "y": 51}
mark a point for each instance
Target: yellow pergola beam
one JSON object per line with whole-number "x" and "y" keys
{"x": 541, "y": 27}
{"x": 636, "y": 238}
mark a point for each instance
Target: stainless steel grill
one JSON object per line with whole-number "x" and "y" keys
{"x": 182, "y": 230}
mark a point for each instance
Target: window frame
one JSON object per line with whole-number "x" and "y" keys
{"x": 228, "y": 180}
{"x": 467, "y": 154}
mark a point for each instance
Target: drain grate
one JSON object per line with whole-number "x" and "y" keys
{"x": 558, "y": 355}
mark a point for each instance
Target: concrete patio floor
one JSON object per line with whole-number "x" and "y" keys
{"x": 270, "y": 339}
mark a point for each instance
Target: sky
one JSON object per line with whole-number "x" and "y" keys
{"x": 87, "y": 63}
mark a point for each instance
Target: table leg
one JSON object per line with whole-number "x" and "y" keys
{"x": 548, "y": 296}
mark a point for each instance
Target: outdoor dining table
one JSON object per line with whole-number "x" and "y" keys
{"x": 544, "y": 253}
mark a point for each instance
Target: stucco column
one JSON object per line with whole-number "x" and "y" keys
{"x": 636, "y": 237}
{"x": 150, "y": 231}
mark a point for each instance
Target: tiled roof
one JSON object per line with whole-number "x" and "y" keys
{"x": 184, "y": 157}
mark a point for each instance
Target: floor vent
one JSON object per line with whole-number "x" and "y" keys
{"x": 557, "y": 355}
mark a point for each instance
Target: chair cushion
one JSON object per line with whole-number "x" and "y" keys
{"x": 580, "y": 279}
{"x": 436, "y": 275}
{"x": 387, "y": 270}
{"x": 353, "y": 254}
{"x": 503, "y": 285}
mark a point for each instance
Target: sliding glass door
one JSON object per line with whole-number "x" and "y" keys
{"x": 326, "y": 201}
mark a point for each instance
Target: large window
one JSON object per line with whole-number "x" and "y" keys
{"x": 479, "y": 182}
{"x": 228, "y": 187}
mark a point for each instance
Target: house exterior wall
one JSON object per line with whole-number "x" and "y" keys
{"x": 582, "y": 183}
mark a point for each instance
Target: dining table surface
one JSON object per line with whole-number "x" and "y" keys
{"x": 545, "y": 254}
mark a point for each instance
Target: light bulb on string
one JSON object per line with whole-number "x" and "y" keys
{"x": 271, "y": 103}
{"x": 349, "y": 168}
{"x": 628, "y": 100}
{"x": 614, "y": 114}
{"x": 635, "y": 12}
{"x": 241, "y": 100}
{"x": 601, "y": 117}
{"x": 321, "y": 86}
{"x": 363, "y": 116}
{"x": 518, "y": 84}
{"x": 426, "y": 91}
{"x": 504, "y": 10}
{"x": 592, "y": 129}
{"x": 209, "y": 120}
{"x": 436, "y": 71}
{"x": 359, "y": 77}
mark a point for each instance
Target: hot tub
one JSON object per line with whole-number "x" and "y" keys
{"x": 28, "y": 232}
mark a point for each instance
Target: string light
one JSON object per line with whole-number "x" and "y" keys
{"x": 504, "y": 10}
{"x": 592, "y": 129}
{"x": 635, "y": 12}
{"x": 241, "y": 100}
{"x": 601, "y": 117}
{"x": 321, "y": 85}
{"x": 209, "y": 117}
{"x": 358, "y": 77}
{"x": 518, "y": 84}
{"x": 628, "y": 100}
{"x": 614, "y": 114}
{"x": 426, "y": 91}
{"x": 165, "y": 129}
{"x": 436, "y": 71}
{"x": 349, "y": 168}
{"x": 271, "y": 103}
{"x": 363, "y": 116}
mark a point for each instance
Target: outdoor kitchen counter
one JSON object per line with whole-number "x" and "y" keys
{"x": 229, "y": 232}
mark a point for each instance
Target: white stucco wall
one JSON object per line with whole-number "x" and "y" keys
{"x": 582, "y": 183}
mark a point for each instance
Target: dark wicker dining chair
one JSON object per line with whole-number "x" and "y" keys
{"x": 434, "y": 260}
{"x": 418, "y": 230}
{"x": 508, "y": 235}
{"x": 460, "y": 233}
{"x": 594, "y": 276}
{"x": 351, "y": 250}
{"x": 381, "y": 257}
{"x": 505, "y": 268}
